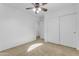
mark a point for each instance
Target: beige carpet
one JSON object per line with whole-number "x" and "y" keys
{"x": 40, "y": 48}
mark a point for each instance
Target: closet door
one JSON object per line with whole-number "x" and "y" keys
{"x": 67, "y": 30}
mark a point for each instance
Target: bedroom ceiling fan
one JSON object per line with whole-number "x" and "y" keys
{"x": 38, "y": 7}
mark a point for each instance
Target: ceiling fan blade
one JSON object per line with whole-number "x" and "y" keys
{"x": 36, "y": 5}
{"x": 44, "y": 9}
{"x": 29, "y": 8}
{"x": 33, "y": 4}
{"x": 44, "y": 3}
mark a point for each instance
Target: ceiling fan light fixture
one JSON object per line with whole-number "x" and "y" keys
{"x": 39, "y": 9}
{"x": 34, "y": 9}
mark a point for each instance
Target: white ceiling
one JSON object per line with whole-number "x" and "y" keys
{"x": 52, "y": 7}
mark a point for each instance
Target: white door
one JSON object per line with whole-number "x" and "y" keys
{"x": 53, "y": 30}
{"x": 67, "y": 30}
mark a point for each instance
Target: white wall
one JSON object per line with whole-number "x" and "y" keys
{"x": 51, "y": 29}
{"x": 51, "y": 23}
{"x": 16, "y": 27}
{"x": 41, "y": 26}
